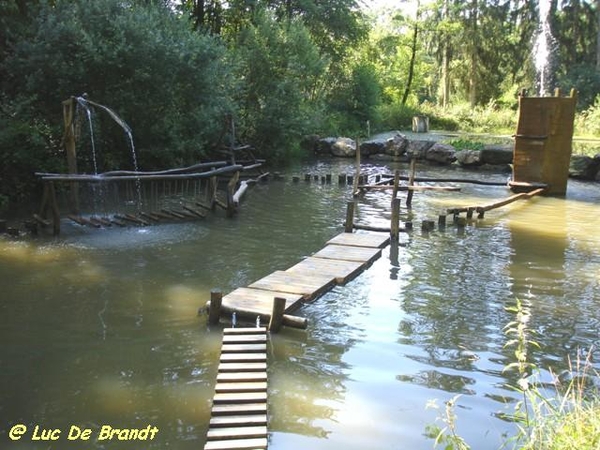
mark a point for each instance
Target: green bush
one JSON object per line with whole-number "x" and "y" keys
{"x": 166, "y": 81}
{"x": 280, "y": 68}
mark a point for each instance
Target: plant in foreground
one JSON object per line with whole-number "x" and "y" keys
{"x": 568, "y": 418}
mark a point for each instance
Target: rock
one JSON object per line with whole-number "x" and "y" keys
{"x": 469, "y": 158}
{"x": 441, "y": 153}
{"x": 496, "y": 155}
{"x": 336, "y": 146}
{"x": 309, "y": 143}
{"x": 584, "y": 167}
{"x": 418, "y": 148}
{"x": 344, "y": 147}
{"x": 396, "y": 145}
{"x": 393, "y": 144}
{"x": 323, "y": 146}
{"x": 381, "y": 157}
{"x": 373, "y": 146}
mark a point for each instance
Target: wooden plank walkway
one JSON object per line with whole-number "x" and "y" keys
{"x": 239, "y": 410}
{"x": 342, "y": 259}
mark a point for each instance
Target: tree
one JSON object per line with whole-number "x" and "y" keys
{"x": 167, "y": 82}
{"x": 280, "y": 68}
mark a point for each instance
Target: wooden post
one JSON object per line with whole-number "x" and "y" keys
{"x": 395, "y": 224}
{"x": 2, "y": 226}
{"x": 427, "y": 226}
{"x": 470, "y": 212}
{"x": 342, "y": 179}
{"x": 442, "y": 222}
{"x": 328, "y": 178}
{"x": 296, "y": 179}
{"x": 214, "y": 311}
{"x": 350, "y": 179}
{"x": 357, "y": 175}
{"x": 277, "y": 315}
{"x": 212, "y": 193}
{"x": 307, "y": 177}
{"x": 54, "y": 207}
{"x": 231, "y": 205}
{"x": 411, "y": 181}
{"x": 349, "y": 225}
{"x": 396, "y": 183}
{"x": 71, "y": 150}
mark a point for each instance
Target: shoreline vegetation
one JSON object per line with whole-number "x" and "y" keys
{"x": 563, "y": 414}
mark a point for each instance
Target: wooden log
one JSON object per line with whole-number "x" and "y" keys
{"x": 349, "y": 217}
{"x": 240, "y": 192}
{"x": 186, "y": 172}
{"x": 104, "y": 221}
{"x": 78, "y": 220}
{"x": 95, "y": 222}
{"x": 193, "y": 211}
{"x": 118, "y": 222}
{"x": 43, "y": 222}
{"x": 446, "y": 180}
{"x": 214, "y": 310}
{"x": 276, "y": 321}
{"x": 288, "y": 319}
{"x": 172, "y": 213}
{"x": 370, "y": 187}
{"x": 149, "y": 216}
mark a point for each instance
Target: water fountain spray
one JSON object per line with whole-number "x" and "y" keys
{"x": 543, "y": 46}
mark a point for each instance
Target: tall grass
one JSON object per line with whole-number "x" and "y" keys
{"x": 562, "y": 416}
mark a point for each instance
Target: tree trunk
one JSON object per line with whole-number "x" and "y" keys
{"x": 446, "y": 63}
{"x": 473, "y": 58}
{"x": 598, "y": 36}
{"x": 413, "y": 57}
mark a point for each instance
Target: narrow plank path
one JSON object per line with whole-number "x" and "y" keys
{"x": 239, "y": 411}
{"x": 343, "y": 258}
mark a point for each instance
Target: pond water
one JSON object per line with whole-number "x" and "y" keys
{"x": 100, "y": 327}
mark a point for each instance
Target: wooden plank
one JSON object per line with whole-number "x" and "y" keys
{"x": 242, "y": 367}
{"x": 238, "y": 420}
{"x": 244, "y": 338}
{"x": 375, "y": 240}
{"x": 243, "y": 357}
{"x": 308, "y": 286}
{"x": 254, "y": 432}
{"x": 238, "y": 348}
{"x": 342, "y": 271}
{"x": 241, "y": 377}
{"x": 242, "y": 444}
{"x": 237, "y": 409}
{"x": 257, "y": 301}
{"x": 251, "y": 386}
{"x": 245, "y": 330}
{"x": 239, "y": 397}
{"x": 365, "y": 255}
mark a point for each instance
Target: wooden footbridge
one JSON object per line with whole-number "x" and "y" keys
{"x": 239, "y": 410}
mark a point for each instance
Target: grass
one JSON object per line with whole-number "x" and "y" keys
{"x": 563, "y": 417}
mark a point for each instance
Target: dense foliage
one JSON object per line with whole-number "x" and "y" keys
{"x": 178, "y": 71}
